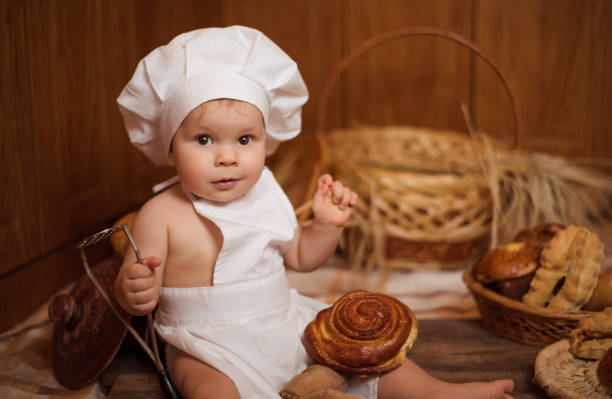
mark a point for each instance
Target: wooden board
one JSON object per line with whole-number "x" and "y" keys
{"x": 558, "y": 58}
{"x": 19, "y": 214}
{"x": 464, "y": 351}
{"x": 417, "y": 80}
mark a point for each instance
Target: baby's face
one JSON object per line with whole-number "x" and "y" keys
{"x": 219, "y": 150}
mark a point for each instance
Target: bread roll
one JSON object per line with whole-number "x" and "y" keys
{"x": 602, "y": 296}
{"x": 314, "y": 383}
{"x": 362, "y": 333}
{"x": 119, "y": 240}
{"x": 593, "y": 336}
{"x": 508, "y": 261}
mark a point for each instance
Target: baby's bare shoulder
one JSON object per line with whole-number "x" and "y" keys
{"x": 193, "y": 242}
{"x": 167, "y": 203}
{"x": 163, "y": 211}
{"x": 176, "y": 211}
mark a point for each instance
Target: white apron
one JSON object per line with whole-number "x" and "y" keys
{"x": 249, "y": 324}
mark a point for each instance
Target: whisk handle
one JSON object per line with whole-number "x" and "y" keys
{"x": 167, "y": 385}
{"x": 133, "y": 242}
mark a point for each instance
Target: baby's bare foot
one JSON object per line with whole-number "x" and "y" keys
{"x": 498, "y": 389}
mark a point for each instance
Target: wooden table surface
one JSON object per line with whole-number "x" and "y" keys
{"x": 452, "y": 350}
{"x": 464, "y": 351}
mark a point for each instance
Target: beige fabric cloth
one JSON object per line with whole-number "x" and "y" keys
{"x": 431, "y": 295}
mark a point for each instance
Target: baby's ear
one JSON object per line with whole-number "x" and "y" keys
{"x": 271, "y": 145}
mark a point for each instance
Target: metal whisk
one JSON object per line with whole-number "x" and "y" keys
{"x": 163, "y": 377}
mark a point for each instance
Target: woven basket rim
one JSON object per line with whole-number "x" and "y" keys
{"x": 397, "y": 129}
{"x": 562, "y": 375}
{"x": 412, "y": 172}
{"x": 510, "y": 303}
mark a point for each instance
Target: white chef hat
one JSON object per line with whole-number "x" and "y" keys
{"x": 235, "y": 62}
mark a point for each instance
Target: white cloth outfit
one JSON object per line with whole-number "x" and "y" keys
{"x": 249, "y": 324}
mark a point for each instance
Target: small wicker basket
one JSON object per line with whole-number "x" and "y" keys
{"x": 518, "y": 321}
{"x": 565, "y": 376}
{"x": 424, "y": 200}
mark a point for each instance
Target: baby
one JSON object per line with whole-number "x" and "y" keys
{"x": 213, "y": 103}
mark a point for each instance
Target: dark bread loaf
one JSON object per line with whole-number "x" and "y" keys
{"x": 604, "y": 369}
{"x": 508, "y": 269}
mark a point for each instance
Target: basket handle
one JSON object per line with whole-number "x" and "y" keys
{"x": 368, "y": 45}
{"x": 377, "y": 40}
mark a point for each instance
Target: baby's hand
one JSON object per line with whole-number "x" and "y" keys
{"x": 138, "y": 285}
{"x": 333, "y": 202}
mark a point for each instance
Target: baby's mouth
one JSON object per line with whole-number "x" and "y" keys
{"x": 225, "y": 184}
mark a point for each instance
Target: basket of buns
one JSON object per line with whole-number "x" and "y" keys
{"x": 537, "y": 288}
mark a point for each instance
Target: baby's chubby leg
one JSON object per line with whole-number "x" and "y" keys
{"x": 410, "y": 381}
{"x": 195, "y": 379}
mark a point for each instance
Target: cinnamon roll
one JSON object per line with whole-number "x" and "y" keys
{"x": 362, "y": 333}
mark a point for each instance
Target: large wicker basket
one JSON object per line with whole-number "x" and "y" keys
{"x": 424, "y": 199}
{"x": 518, "y": 321}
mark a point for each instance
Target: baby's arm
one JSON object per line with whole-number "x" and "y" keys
{"x": 314, "y": 244}
{"x": 137, "y": 285}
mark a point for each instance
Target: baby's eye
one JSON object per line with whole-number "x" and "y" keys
{"x": 244, "y": 140}
{"x": 204, "y": 139}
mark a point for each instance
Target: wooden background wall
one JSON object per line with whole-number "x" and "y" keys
{"x": 67, "y": 169}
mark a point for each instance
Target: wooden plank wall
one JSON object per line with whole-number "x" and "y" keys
{"x": 67, "y": 169}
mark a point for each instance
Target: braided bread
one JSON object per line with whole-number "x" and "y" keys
{"x": 570, "y": 263}
{"x": 363, "y": 333}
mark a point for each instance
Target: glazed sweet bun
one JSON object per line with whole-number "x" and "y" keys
{"x": 508, "y": 261}
{"x": 592, "y": 338}
{"x": 604, "y": 369}
{"x": 362, "y": 333}
{"x": 540, "y": 235}
{"x": 508, "y": 269}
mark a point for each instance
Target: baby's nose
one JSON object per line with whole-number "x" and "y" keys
{"x": 226, "y": 156}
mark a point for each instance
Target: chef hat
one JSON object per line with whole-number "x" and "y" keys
{"x": 235, "y": 62}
